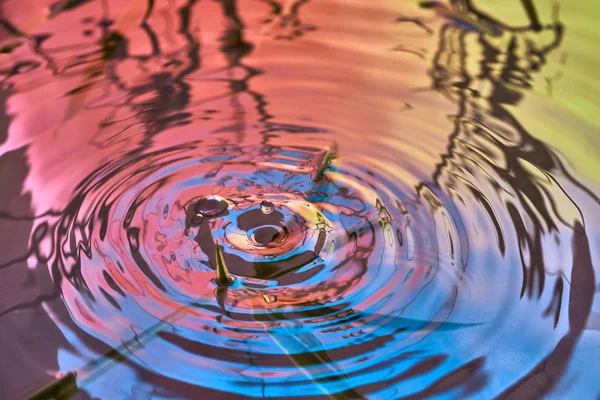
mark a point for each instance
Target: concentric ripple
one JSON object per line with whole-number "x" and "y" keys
{"x": 375, "y": 184}
{"x": 323, "y": 273}
{"x": 335, "y": 283}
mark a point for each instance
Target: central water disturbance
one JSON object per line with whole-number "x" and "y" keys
{"x": 267, "y": 234}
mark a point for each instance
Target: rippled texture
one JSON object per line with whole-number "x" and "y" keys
{"x": 403, "y": 193}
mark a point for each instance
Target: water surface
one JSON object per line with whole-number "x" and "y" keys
{"x": 448, "y": 250}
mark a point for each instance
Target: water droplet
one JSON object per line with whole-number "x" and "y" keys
{"x": 197, "y": 219}
{"x": 269, "y": 298}
{"x": 173, "y": 256}
{"x": 266, "y": 207}
{"x": 211, "y": 207}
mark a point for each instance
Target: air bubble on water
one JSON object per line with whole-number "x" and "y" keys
{"x": 266, "y": 207}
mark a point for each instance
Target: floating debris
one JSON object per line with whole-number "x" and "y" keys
{"x": 223, "y": 277}
{"x": 269, "y": 298}
{"x": 328, "y": 157}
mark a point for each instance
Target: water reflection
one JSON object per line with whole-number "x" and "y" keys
{"x": 492, "y": 157}
{"x": 350, "y": 280}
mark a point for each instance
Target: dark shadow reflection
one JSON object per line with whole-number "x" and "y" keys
{"x": 488, "y": 142}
